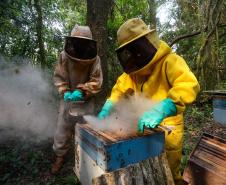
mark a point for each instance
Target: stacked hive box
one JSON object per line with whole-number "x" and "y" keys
{"x": 207, "y": 163}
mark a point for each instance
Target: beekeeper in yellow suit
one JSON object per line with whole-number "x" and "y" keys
{"x": 153, "y": 69}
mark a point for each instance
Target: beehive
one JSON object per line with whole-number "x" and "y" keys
{"x": 219, "y": 107}
{"x": 207, "y": 163}
{"x": 98, "y": 152}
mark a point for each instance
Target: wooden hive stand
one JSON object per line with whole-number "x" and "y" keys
{"x": 153, "y": 171}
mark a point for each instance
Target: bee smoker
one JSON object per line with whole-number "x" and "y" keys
{"x": 75, "y": 110}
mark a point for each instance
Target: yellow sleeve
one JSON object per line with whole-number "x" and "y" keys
{"x": 184, "y": 85}
{"x": 123, "y": 86}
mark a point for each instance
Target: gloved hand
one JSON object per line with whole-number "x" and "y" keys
{"x": 67, "y": 96}
{"x": 106, "y": 110}
{"x": 155, "y": 116}
{"x": 76, "y": 96}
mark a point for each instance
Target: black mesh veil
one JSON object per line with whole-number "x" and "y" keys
{"x": 81, "y": 48}
{"x": 136, "y": 54}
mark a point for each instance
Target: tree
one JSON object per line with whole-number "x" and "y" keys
{"x": 152, "y": 13}
{"x": 197, "y": 36}
{"x": 35, "y": 29}
{"x": 15, "y": 31}
{"x": 97, "y": 16}
{"x": 39, "y": 30}
{"x": 123, "y": 10}
{"x": 208, "y": 57}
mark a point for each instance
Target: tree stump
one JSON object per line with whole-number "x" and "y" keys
{"x": 153, "y": 171}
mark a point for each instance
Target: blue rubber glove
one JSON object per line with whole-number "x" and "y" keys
{"x": 106, "y": 110}
{"x": 76, "y": 96}
{"x": 67, "y": 96}
{"x": 155, "y": 116}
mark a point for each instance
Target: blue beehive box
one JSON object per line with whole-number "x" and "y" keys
{"x": 219, "y": 107}
{"x": 111, "y": 151}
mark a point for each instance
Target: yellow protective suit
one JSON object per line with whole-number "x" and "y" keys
{"x": 165, "y": 76}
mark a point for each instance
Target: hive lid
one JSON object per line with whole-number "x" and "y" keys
{"x": 216, "y": 92}
{"x": 114, "y": 136}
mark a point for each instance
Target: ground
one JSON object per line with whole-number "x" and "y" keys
{"x": 24, "y": 161}
{"x": 28, "y": 162}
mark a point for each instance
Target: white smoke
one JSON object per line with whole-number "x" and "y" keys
{"x": 125, "y": 117}
{"x": 27, "y": 105}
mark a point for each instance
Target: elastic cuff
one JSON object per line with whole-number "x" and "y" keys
{"x": 62, "y": 90}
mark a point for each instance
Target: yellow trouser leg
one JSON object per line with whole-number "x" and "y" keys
{"x": 174, "y": 159}
{"x": 173, "y": 147}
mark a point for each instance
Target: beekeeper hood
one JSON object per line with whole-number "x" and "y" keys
{"x": 80, "y": 45}
{"x": 137, "y": 45}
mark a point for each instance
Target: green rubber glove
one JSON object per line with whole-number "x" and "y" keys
{"x": 157, "y": 114}
{"x": 76, "y": 96}
{"x": 106, "y": 110}
{"x": 67, "y": 96}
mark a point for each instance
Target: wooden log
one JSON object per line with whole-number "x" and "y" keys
{"x": 166, "y": 169}
{"x": 147, "y": 172}
{"x": 153, "y": 171}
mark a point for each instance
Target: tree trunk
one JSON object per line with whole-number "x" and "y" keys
{"x": 153, "y": 171}
{"x": 152, "y": 13}
{"x": 208, "y": 57}
{"x": 97, "y": 16}
{"x": 39, "y": 29}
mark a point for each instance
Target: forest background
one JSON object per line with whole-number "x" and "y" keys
{"x": 32, "y": 32}
{"x": 35, "y": 29}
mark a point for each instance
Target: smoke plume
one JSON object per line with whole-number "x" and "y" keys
{"x": 27, "y": 105}
{"x": 125, "y": 116}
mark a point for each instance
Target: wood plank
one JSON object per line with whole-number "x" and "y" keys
{"x": 166, "y": 169}
{"x": 215, "y": 163}
{"x": 137, "y": 174}
{"x": 147, "y": 173}
{"x": 124, "y": 177}
{"x": 108, "y": 136}
{"x": 116, "y": 136}
{"x": 159, "y": 176}
{"x": 206, "y": 165}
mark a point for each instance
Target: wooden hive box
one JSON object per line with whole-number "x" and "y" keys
{"x": 219, "y": 105}
{"x": 98, "y": 152}
{"x": 207, "y": 163}
{"x": 219, "y": 108}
